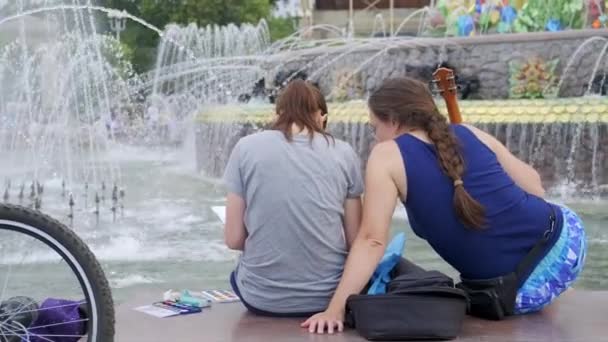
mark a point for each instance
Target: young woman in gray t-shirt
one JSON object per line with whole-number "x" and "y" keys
{"x": 293, "y": 208}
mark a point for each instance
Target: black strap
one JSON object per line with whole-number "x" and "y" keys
{"x": 530, "y": 259}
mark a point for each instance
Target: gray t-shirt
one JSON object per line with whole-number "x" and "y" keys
{"x": 295, "y": 193}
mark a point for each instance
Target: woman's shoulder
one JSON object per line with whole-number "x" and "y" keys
{"x": 262, "y": 137}
{"x": 386, "y": 149}
{"x": 341, "y": 144}
{"x": 342, "y": 147}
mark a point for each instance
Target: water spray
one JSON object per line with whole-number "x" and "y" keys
{"x": 7, "y": 189}
{"x": 86, "y": 194}
{"x": 97, "y": 201}
{"x": 38, "y": 203}
{"x": 21, "y": 193}
{"x": 122, "y": 202}
{"x": 71, "y": 214}
{"x": 114, "y": 201}
{"x": 40, "y": 188}
{"x": 103, "y": 192}
{"x": 33, "y": 194}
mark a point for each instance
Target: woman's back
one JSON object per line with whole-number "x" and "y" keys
{"x": 515, "y": 220}
{"x": 294, "y": 192}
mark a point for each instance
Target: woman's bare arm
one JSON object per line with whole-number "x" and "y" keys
{"x": 235, "y": 232}
{"x": 352, "y": 219}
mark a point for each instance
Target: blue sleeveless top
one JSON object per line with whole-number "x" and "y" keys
{"x": 515, "y": 220}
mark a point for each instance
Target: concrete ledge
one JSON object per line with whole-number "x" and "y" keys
{"x": 582, "y": 109}
{"x": 390, "y": 43}
{"x": 577, "y": 316}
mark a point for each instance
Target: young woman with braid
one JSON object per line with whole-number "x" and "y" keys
{"x": 478, "y": 206}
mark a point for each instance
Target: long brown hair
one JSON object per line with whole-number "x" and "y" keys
{"x": 321, "y": 103}
{"x": 409, "y": 103}
{"x": 297, "y": 104}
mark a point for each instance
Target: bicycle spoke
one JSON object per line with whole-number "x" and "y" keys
{"x": 5, "y": 286}
{"x": 59, "y": 324}
{"x": 18, "y": 331}
{"x": 21, "y": 334}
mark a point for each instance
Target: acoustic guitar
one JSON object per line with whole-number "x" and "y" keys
{"x": 445, "y": 83}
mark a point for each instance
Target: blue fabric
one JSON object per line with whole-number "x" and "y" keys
{"x": 558, "y": 269}
{"x": 381, "y": 276}
{"x": 515, "y": 220}
{"x": 60, "y": 318}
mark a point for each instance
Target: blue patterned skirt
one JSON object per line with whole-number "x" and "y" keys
{"x": 558, "y": 269}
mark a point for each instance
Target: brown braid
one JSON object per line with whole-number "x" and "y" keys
{"x": 409, "y": 103}
{"x": 470, "y": 212}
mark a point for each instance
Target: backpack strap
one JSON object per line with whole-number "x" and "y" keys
{"x": 531, "y": 258}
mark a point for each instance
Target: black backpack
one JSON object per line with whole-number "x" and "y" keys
{"x": 418, "y": 305}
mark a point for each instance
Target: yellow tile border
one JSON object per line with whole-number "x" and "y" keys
{"x": 584, "y": 109}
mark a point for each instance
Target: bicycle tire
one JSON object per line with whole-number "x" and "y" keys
{"x": 77, "y": 255}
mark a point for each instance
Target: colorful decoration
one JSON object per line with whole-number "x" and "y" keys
{"x": 453, "y": 17}
{"x": 595, "y": 13}
{"x": 539, "y": 15}
{"x": 553, "y": 25}
{"x": 494, "y": 16}
{"x": 466, "y": 25}
{"x": 508, "y": 14}
{"x": 436, "y": 19}
{"x": 532, "y": 79}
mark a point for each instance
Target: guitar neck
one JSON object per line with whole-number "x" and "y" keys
{"x": 453, "y": 110}
{"x": 446, "y": 82}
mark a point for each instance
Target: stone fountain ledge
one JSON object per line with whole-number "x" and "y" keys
{"x": 586, "y": 109}
{"x": 372, "y": 44}
{"x": 563, "y": 138}
{"x": 485, "y": 57}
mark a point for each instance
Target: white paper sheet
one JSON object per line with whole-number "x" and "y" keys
{"x": 156, "y": 311}
{"x": 220, "y": 212}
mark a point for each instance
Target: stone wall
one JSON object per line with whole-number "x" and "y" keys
{"x": 484, "y": 57}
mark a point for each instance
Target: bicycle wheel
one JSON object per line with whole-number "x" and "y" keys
{"x": 75, "y": 253}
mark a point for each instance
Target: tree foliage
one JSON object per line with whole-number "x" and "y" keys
{"x": 142, "y": 42}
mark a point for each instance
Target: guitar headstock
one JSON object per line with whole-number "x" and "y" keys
{"x": 445, "y": 83}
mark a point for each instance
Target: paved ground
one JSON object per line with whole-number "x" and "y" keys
{"x": 578, "y": 316}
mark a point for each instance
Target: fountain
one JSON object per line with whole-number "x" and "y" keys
{"x": 88, "y": 141}
{"x": 60, "y": 97}
{"x": 58, "y": 126}
{"x": 568, "y": 105}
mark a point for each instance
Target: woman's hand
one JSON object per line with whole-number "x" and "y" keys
{"x": 329, "y": 318}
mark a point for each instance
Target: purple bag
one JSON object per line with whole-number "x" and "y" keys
{"x": 59, "y": 320}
